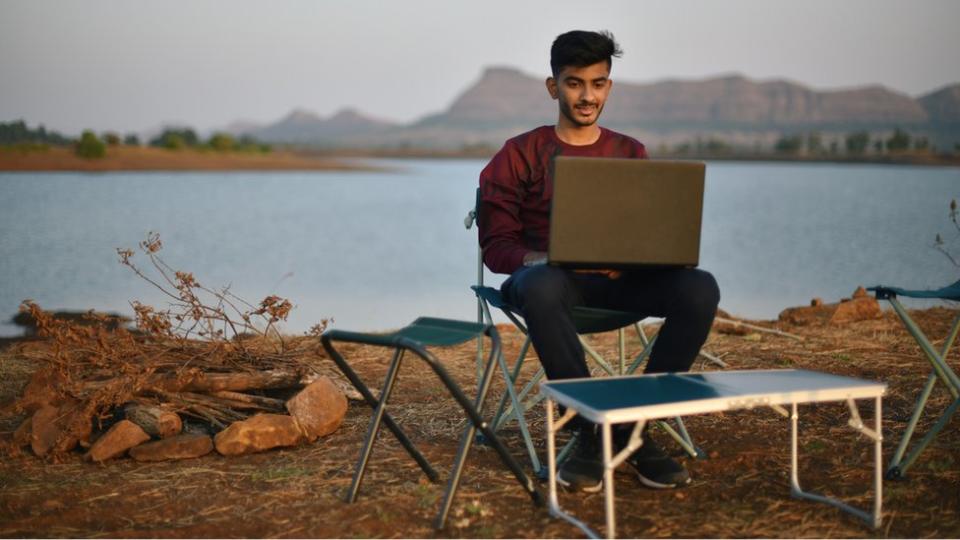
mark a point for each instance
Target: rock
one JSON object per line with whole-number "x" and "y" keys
{"x": 816, "y": 302}
{"x": 21, "y": 437}
{"x": 858, "y": 309}
{"x": 44, "y": 430}
{"x": 155, "y": 421}
{"x": 177, "y": 447}
{"x": 258, "y": 433}
{"x": 319, "y": 408}
{"x": 59, "y": 429}
{"x": 860, "y": 293}
{"x": 804, "y": 315}
{"x": 121, "y": 437}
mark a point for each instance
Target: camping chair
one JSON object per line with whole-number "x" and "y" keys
{"x": 424, "y": 332}
{"x": 941, "y": 371}
{"x": 587, "y": 321}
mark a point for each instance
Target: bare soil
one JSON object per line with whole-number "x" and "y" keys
{"x": 740, "y": 490}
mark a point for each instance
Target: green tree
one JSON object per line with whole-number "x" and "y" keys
{"x": 857, "y": 142}
{"x": 222, "y": 142}
{"x": 131, "y": 140}
{"x": 814, "y": 143}
{"x": 90, "y": 147}
{"x": 175, "y": 138}
{"x": 111, "y": 138}
{"x": 921, "y": 143}
{"x": 788, "y": 144}
{"x": 899, "y": 141}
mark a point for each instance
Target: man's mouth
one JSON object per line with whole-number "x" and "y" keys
{"x": 586, "y": 110}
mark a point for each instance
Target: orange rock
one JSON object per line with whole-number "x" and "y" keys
{"x": 186, "y": 446}
{"x": 859, "y": 309}
{"x": 59, "y": 429}
{"x": 816, "y": 302}
{"x": 258, "y": 433}
{"x": 21, "y": 437}
{"x": 319, "y": 408}
{"x": 860, "y": 293}
{"x": 121, "y": 437}
{"x": 44, "y": 430}
{"x": 804, "y": 315}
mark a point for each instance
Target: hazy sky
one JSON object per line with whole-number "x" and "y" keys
{"x": 131, "y": 65}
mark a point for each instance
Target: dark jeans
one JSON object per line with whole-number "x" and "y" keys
{"x": 686, "y": 297}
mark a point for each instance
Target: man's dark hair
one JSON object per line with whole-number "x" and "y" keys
{"x": 580, "y": 48}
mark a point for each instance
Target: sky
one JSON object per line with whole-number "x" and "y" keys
{"x": 133, "y": 65}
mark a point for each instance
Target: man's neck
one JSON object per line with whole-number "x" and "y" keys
{"x": 577, "y": 135}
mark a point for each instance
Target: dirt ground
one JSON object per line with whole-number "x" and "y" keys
{"x": 740, "y": 490}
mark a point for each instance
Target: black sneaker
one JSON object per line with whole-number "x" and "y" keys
{"x": 583, "y": 468}
{"x": 655, "y": 468}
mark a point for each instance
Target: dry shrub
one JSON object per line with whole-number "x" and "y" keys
{"x": 99, "y": 366}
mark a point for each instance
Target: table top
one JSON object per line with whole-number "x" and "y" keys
{"x": 636, "y": 397}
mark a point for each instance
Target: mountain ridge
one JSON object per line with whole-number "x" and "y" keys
{"x": 505, "y": 100}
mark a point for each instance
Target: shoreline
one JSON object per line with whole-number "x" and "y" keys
{"x": 141, "y": 158}
{"x": 121, "y": 158}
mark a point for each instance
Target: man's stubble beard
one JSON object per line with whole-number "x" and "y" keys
{"x": 567, "y": 111}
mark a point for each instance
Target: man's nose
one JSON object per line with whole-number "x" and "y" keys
{"x": 587, "y": 94}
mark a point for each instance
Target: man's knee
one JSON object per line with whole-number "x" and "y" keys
{"x": 699, "y": 292}
{"x": 540, "y": 286}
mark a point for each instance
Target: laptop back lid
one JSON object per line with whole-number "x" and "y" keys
{"x": 622, "y": 213}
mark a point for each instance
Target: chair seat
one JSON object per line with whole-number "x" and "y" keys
{"x": 950, "y": 292}
{"x": 587, "y": 320}
{"x": 427, "y": 331}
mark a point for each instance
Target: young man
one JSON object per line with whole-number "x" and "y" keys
{"x": 516, "y": 187}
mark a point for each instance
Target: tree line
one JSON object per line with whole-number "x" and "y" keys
{"x": 18, "y": 135}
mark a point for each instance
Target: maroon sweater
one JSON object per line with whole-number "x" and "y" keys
{"x": 516, "y": 187}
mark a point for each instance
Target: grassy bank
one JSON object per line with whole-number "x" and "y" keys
{"x": 139, "y": 158}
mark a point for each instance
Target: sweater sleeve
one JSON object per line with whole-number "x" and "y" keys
{"x": 498, "y": 220}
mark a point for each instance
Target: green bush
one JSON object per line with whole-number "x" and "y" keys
{"x": 222, "y": 142}
{"x": 90, "y": 147}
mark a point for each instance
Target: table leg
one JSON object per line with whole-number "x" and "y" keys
{"x": 608, "y": 491}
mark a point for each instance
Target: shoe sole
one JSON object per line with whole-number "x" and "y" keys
{"x": 659, "y": 485}
{"x": 585, "y": 489}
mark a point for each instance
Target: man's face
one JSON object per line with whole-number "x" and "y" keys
{"x": 581, "y": 92}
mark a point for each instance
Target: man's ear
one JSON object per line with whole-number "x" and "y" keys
{"x": 552, "y": 87}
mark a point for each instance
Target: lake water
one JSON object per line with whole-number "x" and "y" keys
{"x": 374, "y": 250}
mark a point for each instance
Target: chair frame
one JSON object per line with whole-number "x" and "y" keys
{"x": 941, "y": 371}
{"x": 473, "y": 410}
{"x": 518, "y": 402}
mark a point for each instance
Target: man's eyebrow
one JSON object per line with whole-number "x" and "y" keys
{"x": 573, "y": 78}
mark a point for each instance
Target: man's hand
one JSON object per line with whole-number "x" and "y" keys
{"x": 611, "y": 274}
{"x": 534, "y": 258}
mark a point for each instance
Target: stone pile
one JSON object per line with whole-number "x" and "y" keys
{"x": 157, "y": 433}
{"x": 860, "y": 307}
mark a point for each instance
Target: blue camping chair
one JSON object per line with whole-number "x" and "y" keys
{"x": 514, "y": 403}
{"x": 941, "y": 371}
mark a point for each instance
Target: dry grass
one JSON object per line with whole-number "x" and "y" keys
{"x": 741, "y": 490}
{"x": 143, "y": 158}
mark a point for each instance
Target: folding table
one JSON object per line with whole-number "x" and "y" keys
{"x": 643, "y": 398}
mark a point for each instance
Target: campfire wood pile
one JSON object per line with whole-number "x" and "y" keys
{"x": 210, "y": 372}
{"x": 108, "y": 392}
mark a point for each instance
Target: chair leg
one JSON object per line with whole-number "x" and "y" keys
{"x": 373, "y": 403}
{"x": 475, "y": 422}
{"x": 374, "y": 428}
{"x": 941, "y": 371}
{"x": 521, "y": 418}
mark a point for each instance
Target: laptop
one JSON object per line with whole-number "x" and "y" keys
{"x": 625, "y": 213}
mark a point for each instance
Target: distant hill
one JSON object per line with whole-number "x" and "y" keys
{"x": 305, "y": 127}
{"x": 505, "y": 101}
